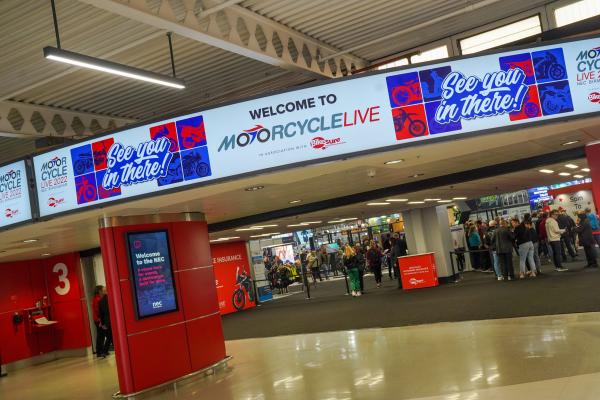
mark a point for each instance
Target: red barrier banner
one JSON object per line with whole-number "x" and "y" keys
{"x": 235, "y": 288}
{"x": 418, "y": 271}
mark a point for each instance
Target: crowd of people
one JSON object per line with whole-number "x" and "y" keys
{"x": 352, "y": 259}
{"x": 547, "y": 236}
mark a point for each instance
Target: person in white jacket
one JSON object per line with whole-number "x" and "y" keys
{"x": 554, "y": 232}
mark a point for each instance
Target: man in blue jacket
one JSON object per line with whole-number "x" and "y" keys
{"x": 593, "y": 218}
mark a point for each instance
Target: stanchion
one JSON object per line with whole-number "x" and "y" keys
{"x": 307, "y": 284}
{"x": 256, "y": 296}
{"x": 2, "y": 371}
{"x": 346, "y": 280}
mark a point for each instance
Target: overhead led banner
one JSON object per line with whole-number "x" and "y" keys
{"x": 15, "y": 205}
{"x": 370, "y": 112}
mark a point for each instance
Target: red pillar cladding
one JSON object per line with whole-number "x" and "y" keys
{"x": 592, "y": 152}
{"x": 163, "y": 347}
{"x": 67, "y": 298}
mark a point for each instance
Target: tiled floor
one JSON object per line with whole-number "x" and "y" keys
{"x": 548, "y": 357}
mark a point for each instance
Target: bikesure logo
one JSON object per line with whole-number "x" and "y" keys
{"x": 594, "y": 97}
{"x": 322, "y": 143}
{"x": 11, "y": 212}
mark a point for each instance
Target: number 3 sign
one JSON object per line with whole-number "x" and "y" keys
{"x": 63, "y": 282}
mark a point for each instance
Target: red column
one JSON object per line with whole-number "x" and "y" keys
{"x": 162, "y": 348}
{"x": 592, "y": 152}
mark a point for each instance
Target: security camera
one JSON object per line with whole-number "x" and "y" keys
{"x": 371, "y": 173}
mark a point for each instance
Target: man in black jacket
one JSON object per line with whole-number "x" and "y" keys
{"x": 104, "y": 315}
{"x": 565, "y": 222}
{"x": 586, "y": 238}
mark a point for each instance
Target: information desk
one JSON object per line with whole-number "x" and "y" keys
{"x": 418, "y": 271}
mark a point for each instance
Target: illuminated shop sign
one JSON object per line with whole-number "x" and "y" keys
{"x": 370, "y": 112}
{"x": 15, "y": 205}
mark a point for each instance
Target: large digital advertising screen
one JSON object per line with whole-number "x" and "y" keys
{"x": 151, "y": 273}
{"x": 15, "y": 205}
{"x": 348, "y": 116}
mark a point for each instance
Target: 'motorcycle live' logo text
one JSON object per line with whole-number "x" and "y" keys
{"x": 10, "y": 185}
{"x": 321, "y": 124}
{"x": 54, "y": 173}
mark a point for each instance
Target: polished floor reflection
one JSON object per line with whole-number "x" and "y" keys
{"x": 547, "y": 357}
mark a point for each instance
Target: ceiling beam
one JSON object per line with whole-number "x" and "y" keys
{"x": 26, "y": 121}
{"x": 241, "y": 31}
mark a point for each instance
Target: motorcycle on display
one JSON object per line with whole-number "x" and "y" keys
{"x": 244, "y": 287}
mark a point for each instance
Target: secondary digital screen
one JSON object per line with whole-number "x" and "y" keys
{"x": 151, "y": 271}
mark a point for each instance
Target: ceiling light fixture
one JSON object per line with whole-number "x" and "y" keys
{"x": 263, "y": 226}
{"x": 578, "y": 176}
{"x": 98, "y": 64}
{"x": 416, "y": 202}
{"x": 444, "y": 201}
{"x": 265, "y": 234}
{"x": 546, "y": 171}
{"x": 30, "y": 240}
{"x": 254, "y": 188}
{"x": 396, "y": 200}
{"x": 294, "y": 201}
{"x": 459, "y": 198}
{"x": 393, "y": 162}
{"x": 432, "y": 199}
{"x": 300, "y": 224}
{"x": 569, "y": 143}
{"x": 312, "y": 222}
{"x": 571, "y": 166}
{"x": 380, "y": 203}
{"x": 585, "y": 169}
{"x": 564, "y": 174}
{"x": 252, "y": 228}
{"x": 224, "y": 239}
{"x": 45, "y": 254}
{"x": 416, "y": 175}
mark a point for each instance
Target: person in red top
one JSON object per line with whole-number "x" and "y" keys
{"x": 99, "y": 292}
{"x": 543, "y": 236}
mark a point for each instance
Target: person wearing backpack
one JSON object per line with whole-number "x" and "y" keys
{"x": 594, "y": 223}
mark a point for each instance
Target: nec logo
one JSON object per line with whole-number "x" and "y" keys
{"x": 157, "y": 304}
{"x": 594, "y": 97}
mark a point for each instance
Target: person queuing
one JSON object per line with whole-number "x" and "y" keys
{"x": 525, "y": 246}
{"x": 566, "y": 223}
{"x": 586, "y": 239}
{"x": 351, "y": 264}
{"x": 594, "y": 223}
{"x": 554, "y": 234}
{"x": 374, "y": 256}
{"x": 490, "y": 243}
{"x": 399, "y": 249}
{"x": 474, "y": 242}
{"x": 504, "y": 240}
{"x": 361, "y": 262}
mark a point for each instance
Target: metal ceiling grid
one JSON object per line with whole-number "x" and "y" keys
{"x": 344, "y": 24}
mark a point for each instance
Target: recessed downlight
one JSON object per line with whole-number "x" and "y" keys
{"x": 564, "y": 173}
{"x": 570, "y": 142}
{"x": 416, "y": 202}
{"x": 444, "y": 201}
{"x": 254, "y": 188}
{"x": 432, "y": 199}
{"x": 394, "y": 161}
{"x": 300, "y": 224}
{"x": 577, "y": 176}
{"x": 379, "y": 203}
{"x": 459, "y": 198}
{"x": 252, "y": 228}
{"x": 295, "y": 201}
{"x": 45, "y": 254}
{"x": 396, "y": 200}
{"x": 30, "y": 240}
{"x": 571, "y": 166}
{"x": 546, "y": 171}
{"x": 416, "y": 175}
{"x": 263, "y": 226}
{"x": 585, "y": 169}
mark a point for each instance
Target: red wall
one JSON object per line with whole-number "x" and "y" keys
{"x": 164, "y": 347}
{"x": 226, "y": 259}
{"x": 21, "y": 285}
